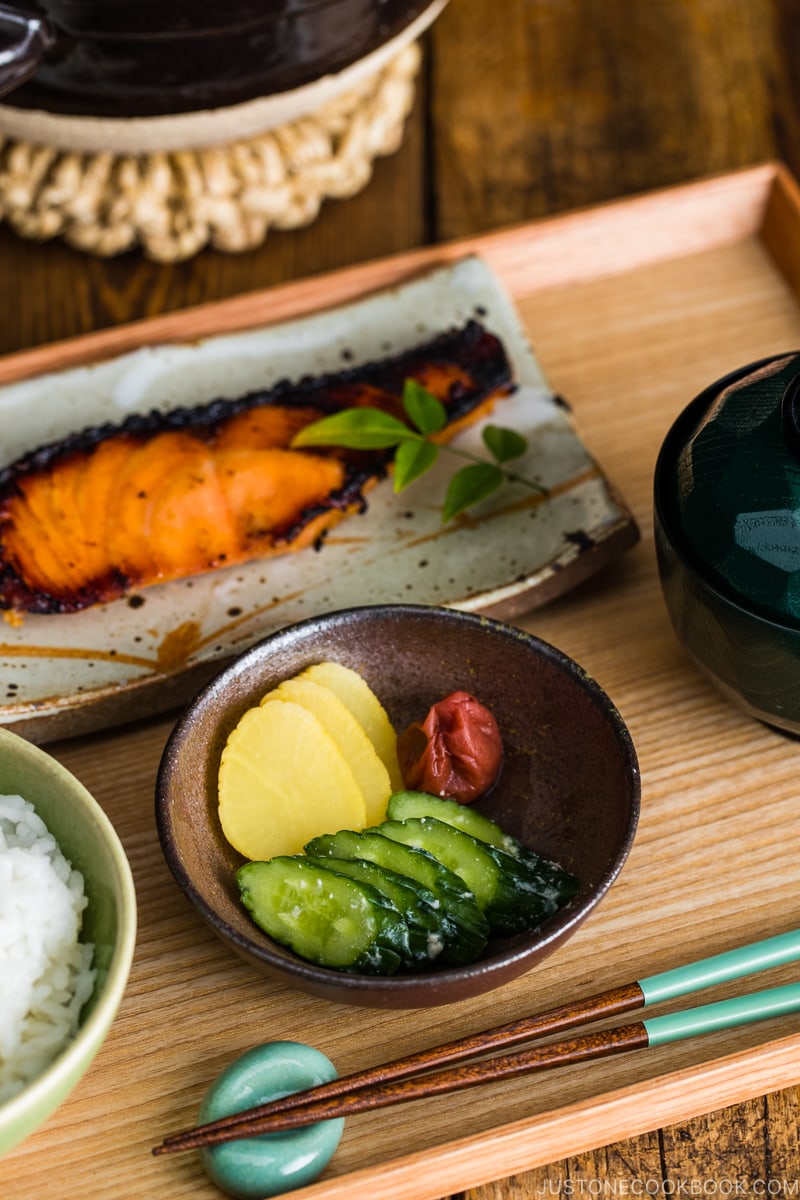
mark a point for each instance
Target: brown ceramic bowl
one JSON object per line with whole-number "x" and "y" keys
{"x": 569, "y": 787}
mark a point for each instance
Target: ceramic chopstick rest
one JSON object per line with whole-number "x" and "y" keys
{"x": 255, "y": 1168}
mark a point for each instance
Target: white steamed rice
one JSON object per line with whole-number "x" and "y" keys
{"x": 46, "y": 973}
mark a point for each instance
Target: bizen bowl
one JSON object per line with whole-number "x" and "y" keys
{"x": 89, "y": 841}
{"x": 569, "y": 787}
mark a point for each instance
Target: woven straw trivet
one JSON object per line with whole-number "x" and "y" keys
{"x": 172, "y": 204}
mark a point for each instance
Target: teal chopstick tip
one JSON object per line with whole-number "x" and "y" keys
{"x": 724, "y": 1014}
{"x": 733, "y": 964}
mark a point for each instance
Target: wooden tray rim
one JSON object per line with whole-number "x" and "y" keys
{"x": 576, "y": 1128}
{"x": 581, "y": 245}
{"x": 556, "y": 252}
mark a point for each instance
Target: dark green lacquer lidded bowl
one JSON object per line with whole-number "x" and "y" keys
{"x": 727, "y": 528}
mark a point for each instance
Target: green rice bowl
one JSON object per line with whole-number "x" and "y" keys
{"x": 67, "y": 934}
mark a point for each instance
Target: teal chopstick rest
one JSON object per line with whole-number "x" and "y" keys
{"x": 258, "y": 1167}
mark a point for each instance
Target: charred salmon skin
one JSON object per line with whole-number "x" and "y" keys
{"x": 167, "y": 495}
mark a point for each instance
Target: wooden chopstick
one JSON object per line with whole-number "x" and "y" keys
{"x": 383, "y": 1095}
{"x": 390, "y": 1083}
{"x": 605, "y": 1004}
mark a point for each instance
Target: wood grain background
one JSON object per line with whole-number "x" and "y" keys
{"x": 525, "y": 108}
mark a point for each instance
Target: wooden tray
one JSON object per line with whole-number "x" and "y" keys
{"x": 632, "y": 309}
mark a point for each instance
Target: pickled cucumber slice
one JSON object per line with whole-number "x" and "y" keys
{"x": 467, "y": 929}
{"x": 511, "y": 897}
{"x": 547, "y": 875}
{"x": 427, "y": 926}
{"x": 404, "y": 805}
{"x": 324, "y": 916}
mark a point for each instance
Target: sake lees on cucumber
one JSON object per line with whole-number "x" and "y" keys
{"x": 436, "y": 892}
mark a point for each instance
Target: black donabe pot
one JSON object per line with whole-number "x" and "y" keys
{"x": 139, "y": 58}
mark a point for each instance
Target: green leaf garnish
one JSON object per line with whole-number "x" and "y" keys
{"x": 469, "y": 486}
{"x": 425, "y": 412}
{"x": 504, "y": 444}
{"x": 412, "y": 459}
{"x": 355, "y": 429}
{"x": 416, "y": 451}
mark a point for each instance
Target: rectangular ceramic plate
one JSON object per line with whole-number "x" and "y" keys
{"x": 632, "y": 309}
{"x": 79, "y": 671}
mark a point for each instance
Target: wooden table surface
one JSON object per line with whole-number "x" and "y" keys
{"x": 524, "y": 108}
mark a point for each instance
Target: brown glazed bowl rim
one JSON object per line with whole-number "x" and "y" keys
{"x": 507, "y": 958}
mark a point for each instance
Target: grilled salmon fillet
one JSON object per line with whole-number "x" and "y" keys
{"x": 164, "y": 496}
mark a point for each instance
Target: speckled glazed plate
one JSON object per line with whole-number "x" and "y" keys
{"x": 63, "y": 675}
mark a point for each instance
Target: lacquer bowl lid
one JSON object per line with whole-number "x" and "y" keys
{"x": 728, "y": 487}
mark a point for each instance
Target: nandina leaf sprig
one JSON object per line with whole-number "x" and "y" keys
{"x": 416, "y": 451}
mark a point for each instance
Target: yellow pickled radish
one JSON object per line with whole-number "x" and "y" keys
{"x": 359, "y": 753}
{"x": 356, "y": 694}
{"x": 282, "y": 781}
